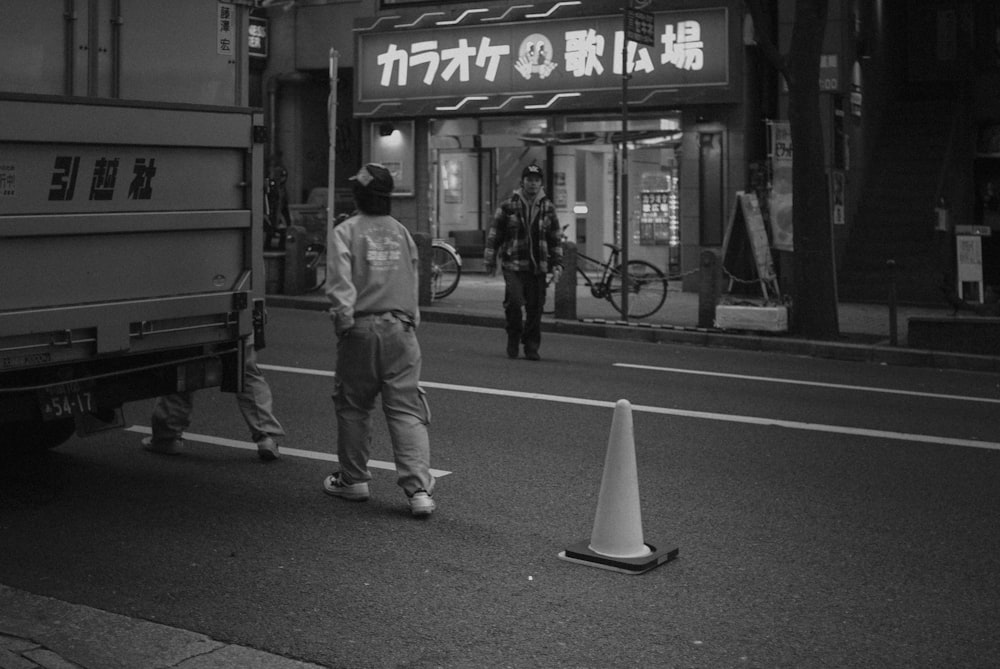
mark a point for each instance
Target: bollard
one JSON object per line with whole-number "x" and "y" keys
{"x": 424, "y": 251}
{"x": 295, "y": 260}
{"x": 564, "y": 295}
{"x": 708, "y": 288}
{"x": 893, "y": 337}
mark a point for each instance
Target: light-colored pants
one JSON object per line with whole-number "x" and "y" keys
{"x": 172, "y": 413}
{"x": 381, "y": 355}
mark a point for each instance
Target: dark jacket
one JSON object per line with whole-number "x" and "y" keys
{"x": 525, "y": 239}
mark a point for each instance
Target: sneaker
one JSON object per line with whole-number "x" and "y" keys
{"x": 421, "y": 504}
{"x": 532, "y": 355}
{"x": 267, "y": 449}
{"x": 163, "y": 446}
{"x": 334, "y": 485}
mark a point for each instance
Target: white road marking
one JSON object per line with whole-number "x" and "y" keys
{"x": 839, "y": 386}
{"x": 706, "y": 415}
{"x": 297, "y": 452}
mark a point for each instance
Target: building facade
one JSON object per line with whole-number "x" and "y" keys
{"x": 456, "y": 97}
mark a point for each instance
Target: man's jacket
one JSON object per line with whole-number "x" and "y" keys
{"x": 525, "y": 238}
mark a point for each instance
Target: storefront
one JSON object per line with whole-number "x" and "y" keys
{"x": 457, "y": 104}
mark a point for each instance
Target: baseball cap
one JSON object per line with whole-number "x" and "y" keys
{"x": 532, "y": 171}
{"x": 374, "y": 177}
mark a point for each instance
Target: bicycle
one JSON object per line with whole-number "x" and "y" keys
{"x": 647, "y": 284}
{"x": 446, "y": 267}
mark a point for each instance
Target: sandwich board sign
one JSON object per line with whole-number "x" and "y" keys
{"x": 746, "y": 252}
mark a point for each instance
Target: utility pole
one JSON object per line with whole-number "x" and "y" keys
{"x": 627, "y": 16}
{"x": 331, "y": 111}
{"x": 638, "y": 27}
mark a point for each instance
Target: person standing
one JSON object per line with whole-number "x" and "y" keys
{"x": 372, "y": 285}
{"x": 525, "y": 240}
{"x": 172, "y": 414}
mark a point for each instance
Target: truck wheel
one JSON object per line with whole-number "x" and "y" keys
{"x": 37, "y": 435}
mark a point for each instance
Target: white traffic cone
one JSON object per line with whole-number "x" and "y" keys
{"x": 616, "y": 541}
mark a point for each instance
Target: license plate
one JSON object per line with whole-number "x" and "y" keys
{"x": 62, "y": 402}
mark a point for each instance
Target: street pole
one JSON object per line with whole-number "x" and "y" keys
{"x": 624, "y": 171}
{"x": 331, "y": 112}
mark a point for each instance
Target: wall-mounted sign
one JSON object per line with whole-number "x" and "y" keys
{"x": 224, "y": 27}
{"x": 257, "y": 40}
{"x": 829, "y": 73}
{"x": 510, "y": 60}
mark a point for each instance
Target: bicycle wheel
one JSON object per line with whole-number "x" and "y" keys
{"x": 647, "y": 289}
{"x": 316, "y": 263}
{"x": 446, "y": 270}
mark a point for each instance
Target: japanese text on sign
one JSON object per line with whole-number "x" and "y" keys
{"x": 224, "y": 27}
{"x": 104, "y": 179}
{"x": 584, "y": 55}
{"x": 496, "y": 64}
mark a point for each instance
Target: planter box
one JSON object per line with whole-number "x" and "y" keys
{"x": 740, "y": 317}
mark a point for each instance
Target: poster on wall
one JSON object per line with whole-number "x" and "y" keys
{"x": 655, "y": 218}
{"x": 451, "y": 180}
{"x": 560, "y": 196}
{"x": 392, "y": 146}
{"x": 780, "y": 196}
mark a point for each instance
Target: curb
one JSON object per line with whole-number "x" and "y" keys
{"x": 37, "y": 631}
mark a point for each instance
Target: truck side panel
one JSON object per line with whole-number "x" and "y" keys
{"x": 131, "y": 183}
{"x": 189, "y": 51}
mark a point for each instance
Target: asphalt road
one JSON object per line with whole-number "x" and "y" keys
{"x": 827, "y": 514}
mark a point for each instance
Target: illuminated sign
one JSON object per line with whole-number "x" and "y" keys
{"x": 482, "y": 65}
{"x": 257, "y": 39}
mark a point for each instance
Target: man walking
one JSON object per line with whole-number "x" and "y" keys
{"x": 372, "y": 286}
{"x": 172, "y": 414}
{"x": 525, "y": 240}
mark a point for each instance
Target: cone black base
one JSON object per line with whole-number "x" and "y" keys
{"x": 581, "y": 554}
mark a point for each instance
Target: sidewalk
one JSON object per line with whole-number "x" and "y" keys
{"x": 44, "y": 633}
{"x": 865, "y": 328}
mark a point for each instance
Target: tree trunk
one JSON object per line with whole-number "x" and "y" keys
{"x": 814, "y": 303}
{"x": 814, "y": 279}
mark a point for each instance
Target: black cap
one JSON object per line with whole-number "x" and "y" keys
{"x": 532, "y": 171}
{"x": 376, "y": 178}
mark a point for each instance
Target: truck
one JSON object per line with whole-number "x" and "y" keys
{"x": 131, "y": 204}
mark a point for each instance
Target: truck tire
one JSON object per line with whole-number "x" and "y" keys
{"x": 25, "y": 436}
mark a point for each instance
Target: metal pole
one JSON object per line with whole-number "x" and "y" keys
{"x": 624, "y": 190}
{"x": 332, "y": 156}
{"x": 893, "y": 324}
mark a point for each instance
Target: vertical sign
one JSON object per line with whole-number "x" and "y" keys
{"x": 969, "y": 257}
{"x": 224, "y": 28}
{"x": 639, "y": 27}
{"x": 780, "y": 196}
{"x": 837, "y": 188}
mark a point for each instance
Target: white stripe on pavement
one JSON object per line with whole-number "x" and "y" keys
{"x": 706, "y": 415}
{"x": 839, "y": 386}
{"x": 250, "y": 446}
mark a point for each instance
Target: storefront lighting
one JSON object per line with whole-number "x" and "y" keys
{"x": 470, "y": 98}
{"x": 553, "y": 100}
{"x": 467, "y": 12}
{"x": 552, "y": 10}
{"x": 386, "y": 129}
{"x": 581, "y": 209}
